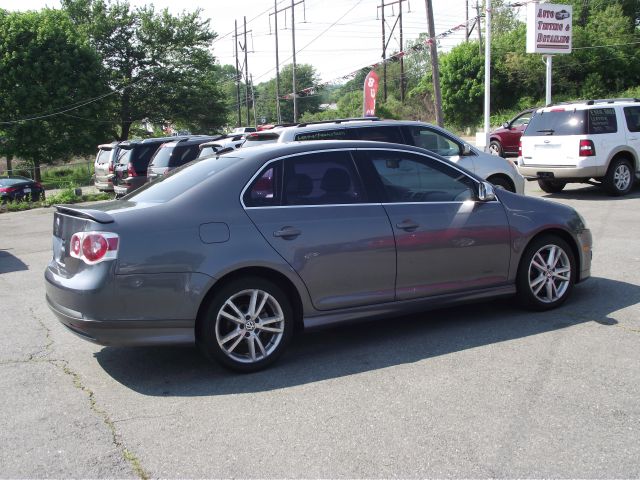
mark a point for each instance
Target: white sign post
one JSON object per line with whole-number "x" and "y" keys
{"x": 549, "y": 31}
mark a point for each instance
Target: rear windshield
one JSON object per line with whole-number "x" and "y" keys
{"x": 174, "y": 155}
{"x": 103, "y": 156}
{"x": 557, "y": 123}
{"x": 255, "y": 140}
{"x": 181, "y": 180}
{"x": 139, "y": 155}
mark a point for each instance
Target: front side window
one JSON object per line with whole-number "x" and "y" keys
{"x": 632, "y": 116}
{"x": 408, "y": 177}
{"x": 521, "y": 120}
{"x": 602, "y": 120}
{"x": 324, "y": 178}
{"x": 433, "y": 141}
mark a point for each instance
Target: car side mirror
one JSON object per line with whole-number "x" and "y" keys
{"x": 466, "y": 149}
{"x": 486, "y": 192}
{"x": 505, "y": 125}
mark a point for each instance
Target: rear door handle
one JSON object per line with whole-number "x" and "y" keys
{"x": 287, "y": 233}
{"x": 407, "y": 225}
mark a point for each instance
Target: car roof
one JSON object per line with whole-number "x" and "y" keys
{"x": 194, "y": 140}
{"x": 588, "y": 104}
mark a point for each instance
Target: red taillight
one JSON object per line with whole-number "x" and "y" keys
{"x": 131, "y": 171}
{"x": 587, "y": 148}
{"x": 520, "y": 148}
{"x": 8, "y": 189}
{"x": 110, "y": 167}
{"x": 94, "y": 247}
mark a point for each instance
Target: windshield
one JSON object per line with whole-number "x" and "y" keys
{"x": 557, "y": 123}
{"x": 180, "y": 180}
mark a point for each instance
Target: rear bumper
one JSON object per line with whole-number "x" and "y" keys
{"x": 125, "y": 332}
{"x": 549, "y": 172}
{"x": 105, "y": 186}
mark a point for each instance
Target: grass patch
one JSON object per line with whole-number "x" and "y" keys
{"x": 66, "y": 196}
{"x": 67, "y": 176}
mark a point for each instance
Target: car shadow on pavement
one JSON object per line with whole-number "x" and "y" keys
{"x": 363, "y": 347}
{"x": 10, "y": 263}
{"x": 590, "y": 192}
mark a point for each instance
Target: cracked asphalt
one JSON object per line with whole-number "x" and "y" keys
{"x": 485, "y": 390}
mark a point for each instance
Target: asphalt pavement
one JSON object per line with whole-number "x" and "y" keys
{"x": 485, "y": 390}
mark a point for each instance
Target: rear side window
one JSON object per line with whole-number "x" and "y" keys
{"x": 632, "y": 116}
{"x": 381, "y": 134}
{"x": 163, "y": 155}
{"x": 336, "y": 134}
{"x": 183, "y": 154}
{"x": 324, "y": 178}
{"x": 602, "y": 120}
{"x": 558, "y": 123}
{"x": 263, "y": 192}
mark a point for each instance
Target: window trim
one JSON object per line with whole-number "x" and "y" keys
{"x": 351, "y": 151}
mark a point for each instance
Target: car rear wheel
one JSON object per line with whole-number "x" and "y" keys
{"x": 619, "y": 178}
{"x": 551, "y": 186}
{"x": 546, "y": 273}
{"x": 495, "y": 148}
{"x": 247, "y": 325}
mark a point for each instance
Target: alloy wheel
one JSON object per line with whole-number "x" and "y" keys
{"x": 549, "y": 273}
{"x": 249, "y": 326}
{"x": 622, "y": 177}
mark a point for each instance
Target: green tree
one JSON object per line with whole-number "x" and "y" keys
{"x": 160, "y": 64}
{"x": 52, "y": 88}
{"x": 306, "y": 76}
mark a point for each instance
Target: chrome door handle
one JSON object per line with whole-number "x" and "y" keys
{"x": 287, "y": 233}
{"x": 407, "y": 225}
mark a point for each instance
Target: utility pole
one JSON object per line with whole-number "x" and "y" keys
{"x": 385, "y": 44}
{"x": 235, "y": 44}
{"x": 246, "y": 69}
{"x": 275, "y": 16}
{"x": 487, "y": 70}
{"x": 239, "y": 70}
{"x": 435, "y": 71}
{"x": 253, "y": 102}
{"x": 293, "y": 42}
{"x": 478, "y": 26}
{"x": 466, "y": 23}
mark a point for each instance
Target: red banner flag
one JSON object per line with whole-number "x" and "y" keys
{"x": 370, "y": 92}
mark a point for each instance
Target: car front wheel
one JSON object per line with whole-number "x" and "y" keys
{"x": 247, "y": 325}
{"x": 495, "y": 148}
{"x": 546, "y": 273}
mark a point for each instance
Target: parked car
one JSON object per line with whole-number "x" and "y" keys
{"x": 133, "y": 161}
{"x": 504, "y": 141}
{"x": 499, "y": 172}
{"x": 227, "y": 143}
{"x": 175, "y": 154}
{"x": 242, "y": 130}
{"x": 234, "y": 251}
{"x": 104, "y": 166}
{"x": 20, "y": 188}
{"x": 580, "y": 142}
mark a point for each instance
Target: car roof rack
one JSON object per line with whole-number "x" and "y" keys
{"x": 594, "y": 101}
{"x": 338, "y": 121}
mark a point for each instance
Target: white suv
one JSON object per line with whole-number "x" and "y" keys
{"x": 497, "y": 170}
{"x": 578, "y": 142}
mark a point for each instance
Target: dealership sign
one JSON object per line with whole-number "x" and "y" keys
{"x": 549, "y": 28}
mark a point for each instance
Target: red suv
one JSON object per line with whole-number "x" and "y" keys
{"x": 504, "y": 141}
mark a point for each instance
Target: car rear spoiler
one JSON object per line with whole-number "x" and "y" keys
{"x": 89, "y": 214}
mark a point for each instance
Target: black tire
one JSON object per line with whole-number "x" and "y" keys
{"x": 620, "y": 177}
{"x": 495, "y": 148}
{"x": 551, "y": 186}
{"x": 502, "y": 182}
{"x": 246, "y": 330}
{"x": 554, "y": 280}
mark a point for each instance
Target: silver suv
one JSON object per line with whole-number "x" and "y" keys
{"x": 578, "y": 142}
{"x": 500, "y": 172}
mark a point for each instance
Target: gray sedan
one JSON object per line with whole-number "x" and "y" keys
{"x": 237, "y": 252}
